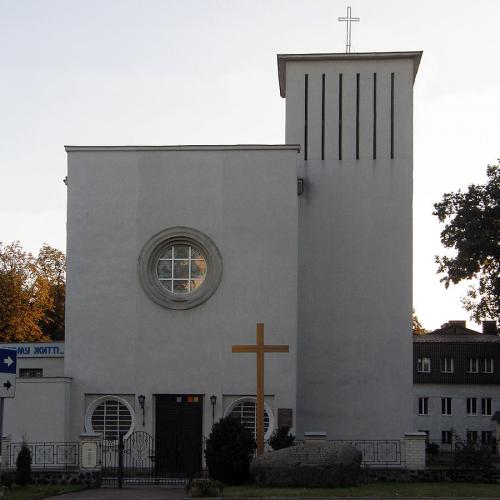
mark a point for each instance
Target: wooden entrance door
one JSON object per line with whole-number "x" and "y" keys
{"x": 179, "y": 434}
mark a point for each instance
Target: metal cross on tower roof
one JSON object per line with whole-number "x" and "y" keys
{"x": 348, "y": 20}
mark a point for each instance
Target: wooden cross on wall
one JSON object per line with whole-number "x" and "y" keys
{"x": 260, "y": 348}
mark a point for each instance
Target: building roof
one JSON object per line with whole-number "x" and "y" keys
{"x": 456, "y": 331}
{"x": 195, "y": 147}
{"x": 356, "y": 56}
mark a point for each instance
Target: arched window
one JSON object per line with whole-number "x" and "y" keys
{"x": 110, "y": 416}
{"x": 245, "y": 409}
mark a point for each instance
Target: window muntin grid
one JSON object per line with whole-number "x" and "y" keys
{"x": 424, "y": 365}
{"x": 487, "y": 365}
{"x": 111, "y": 418}
{"x": 473, "y": 365}
{"x": 245, "y": 412}
{"x": 423, "y": 406}
{"x": 181, "y": 268}
{"x": 446, "y": 365}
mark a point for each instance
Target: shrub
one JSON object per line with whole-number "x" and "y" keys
{"x": 230, "y": 447}
{"x": 281, "y": 438}
{"x": 7, "y": 479}
{"x": 473, "y": 456}
{"x": 204, "y": 488}
{"x": 23, "y": 466}
{"x": 431, "y": 448}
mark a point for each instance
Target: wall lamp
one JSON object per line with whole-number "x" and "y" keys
{"x": 142, "y": 400}
{"x": 213, "y": 402}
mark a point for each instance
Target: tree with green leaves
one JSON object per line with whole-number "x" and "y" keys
{"x": 472, "y": 228}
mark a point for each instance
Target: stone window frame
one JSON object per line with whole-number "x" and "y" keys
{"x": 101, "y": 399}
{"x": 267, "y": 409}
{"x": 156, "y": 246}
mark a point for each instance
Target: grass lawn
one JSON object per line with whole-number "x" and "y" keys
{"x": 374, "y": 489}
{"x": 34, "y": 491}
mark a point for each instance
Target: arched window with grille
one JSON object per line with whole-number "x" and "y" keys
{"x": 245, "y": 410}
{"x": 110, "y": 416}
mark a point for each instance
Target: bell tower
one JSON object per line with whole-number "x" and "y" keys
{"x": 352, "y": 114}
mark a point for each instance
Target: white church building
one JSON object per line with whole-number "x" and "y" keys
{"x": 176, "y": 252}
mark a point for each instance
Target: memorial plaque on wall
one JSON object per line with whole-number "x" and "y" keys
{"x": 285, "y": 417}
{"x": 88, "y": 455}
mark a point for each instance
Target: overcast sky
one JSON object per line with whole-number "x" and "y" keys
{"x": 204, "y": 72}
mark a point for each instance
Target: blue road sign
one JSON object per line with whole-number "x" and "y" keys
{"x": 8, "y": 360}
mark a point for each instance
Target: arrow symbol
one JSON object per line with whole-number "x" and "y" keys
{"x": 8, "y": 361}
{"x": 7, "y": 385}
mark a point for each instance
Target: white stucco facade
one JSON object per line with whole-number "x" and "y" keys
{"x": 40, "y": 409}
{"x": 355, "y": 239}
{"x": 245, "y": 200}
{"x": 326, "y": 269}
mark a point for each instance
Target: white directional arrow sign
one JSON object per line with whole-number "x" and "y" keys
{"x": 8, "y": 362}
{"x": 7, "y": 385}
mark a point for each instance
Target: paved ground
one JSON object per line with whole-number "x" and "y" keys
{"x": 178, "y": 494}
{"x": 124, "y": 494}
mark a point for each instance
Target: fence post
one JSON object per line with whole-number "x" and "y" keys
{"x": 120, "y": 460}
{"x": 89, "y": 456}
{"x": 415, "y": 450}
{"x": 5, "y": 458}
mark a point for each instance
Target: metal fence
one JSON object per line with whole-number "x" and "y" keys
{"x": 140, "y": 454}
{"x": 44, "y": 455}
{"x": 461, "y": 455}
{"x": 378, "y": 453}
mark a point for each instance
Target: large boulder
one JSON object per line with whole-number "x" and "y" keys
{"x": 311, "y": 464}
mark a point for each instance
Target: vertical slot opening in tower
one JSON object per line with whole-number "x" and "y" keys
{"x": 323, "y": 117}
{"x": 340, "y": 116}
{"x": 306, "y": 95}
{"x": 374, "y": 116}
{"x": 392, "y": 115}
{"x": 357, "y": 116}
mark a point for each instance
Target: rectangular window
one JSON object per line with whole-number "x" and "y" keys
{"x": 423, "y": 406}
{"x": 424, "y": 365}
{"x": 446, "y": 437}
{"x": 30, "y": 372}
{"x": 486, "y": 406}
{"x": 486, "y": 437}
{"x": 471, "y": 436}
{"x": 473, "y": 365}
{"x": 446, "y": 365}
{"x": 487, "y": 365}
{"x": 471, "y": 406}
{"x": 446, "y": 406}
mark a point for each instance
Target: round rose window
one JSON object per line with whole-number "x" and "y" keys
{"x": 181, "y": 268}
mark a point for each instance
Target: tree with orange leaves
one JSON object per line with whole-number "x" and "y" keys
{"x": 31, "y": 294}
